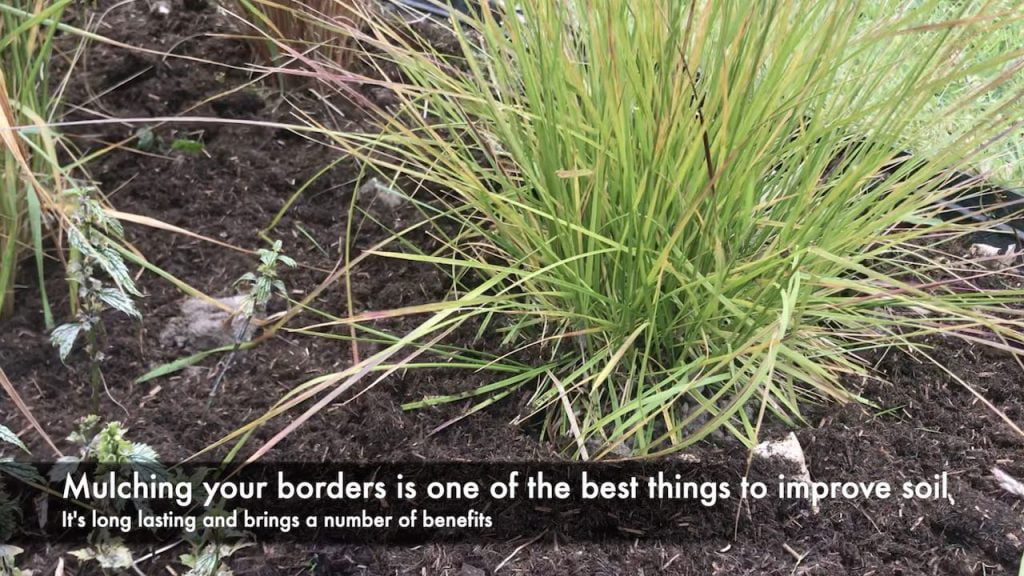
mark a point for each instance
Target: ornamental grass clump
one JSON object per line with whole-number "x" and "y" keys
{"x": 307, "y": 26}
{"x": 692, "y": 209}
{"x": 29, "y": 168}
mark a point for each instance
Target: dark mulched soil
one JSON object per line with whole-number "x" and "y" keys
{"x": 930, "y": 424}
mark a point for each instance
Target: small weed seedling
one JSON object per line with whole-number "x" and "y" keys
{"x": 187, "y": 146}
{"x": 210, "y": 550}
{"x": 260, "y": 286}
{"x": 145, "y": 139}
{"x": 92, "y": 237}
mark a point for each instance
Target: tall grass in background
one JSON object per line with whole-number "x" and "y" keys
{"x": 29, "y": 168}
{"x": 690, "y": 210}
{"x": 997, "y": 34}
{"x": 304, "y": 26}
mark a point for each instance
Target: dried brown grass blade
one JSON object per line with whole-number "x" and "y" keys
{"x": 5, "y": 383}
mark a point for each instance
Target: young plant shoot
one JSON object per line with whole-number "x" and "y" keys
{"x": 260, "y": 286}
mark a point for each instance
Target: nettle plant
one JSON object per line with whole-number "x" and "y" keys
{"x": 93, "y": 238}
{"x": 107, "y": 449}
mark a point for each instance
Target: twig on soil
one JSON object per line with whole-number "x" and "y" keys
{"x": 159, "y": 551}
{"x": 865, "y": 514}
{"x": 517, "y": 550}
{"x": 796, "y": 555}
{"x": 110, "y": 396}
{"x": 228, "y": 361}
{"x": 1009, "y": 483}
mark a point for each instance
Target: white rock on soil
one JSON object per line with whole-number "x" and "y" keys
{"x": 381, "y": 195}
{"x": 161, "y": 8}
{"x": 1009, "y": 483}
{"x": 203, "y": 325}
{"x": 788, "y": 449}
{"x": 993, "y": 256}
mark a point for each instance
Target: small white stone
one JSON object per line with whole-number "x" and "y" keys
{"x": 202, "y": 324}
{"x": 984, "y": 250}
{"x": 788, "y": 449}
{"x": 994, "y": 256}
{"x": 161, "y": 8}
{"x": 1009, "y": 483}
{"x": 381, "y": 194}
